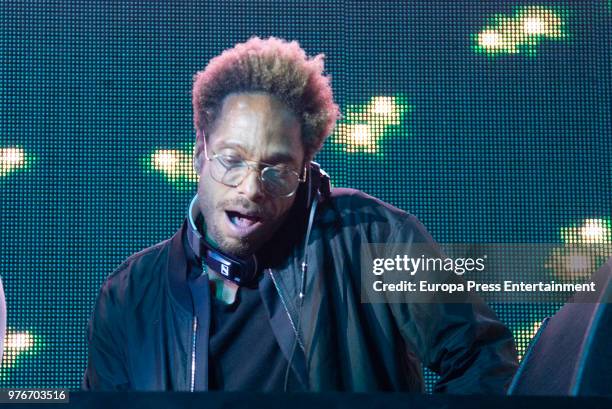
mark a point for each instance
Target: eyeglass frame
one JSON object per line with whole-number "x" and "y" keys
{"x": 257, "y": 167}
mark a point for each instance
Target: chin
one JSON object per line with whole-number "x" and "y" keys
{"x": 237, "y": 248}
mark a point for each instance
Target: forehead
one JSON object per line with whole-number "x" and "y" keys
{"x": 260, "y": 126}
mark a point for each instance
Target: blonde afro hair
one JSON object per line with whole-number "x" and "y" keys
{"x": 277, "y": 67}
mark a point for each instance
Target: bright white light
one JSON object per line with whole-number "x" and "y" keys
{"x": 364, "y": 126}
{"x": 383, "y": 105}
{"x": 490, "y": 39}
{"x": 360, "y": 135}
{"x": 534, "y": 26}
{"x": 520, "y": 32}
{"x": 15, "y": 344}
{"x": 593, "y": 231}
{"x": 165, "y": 160}
{"x": 18, "y": 341}
{"x": 541, "y": 22}
{"x": 176, "y": 165}
{"x": 11, "y": 159}
{"x": 11, "y": 156}
{"x": 358, "y": 138}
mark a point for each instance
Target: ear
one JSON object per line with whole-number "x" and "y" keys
{"x": 198, "y": 151}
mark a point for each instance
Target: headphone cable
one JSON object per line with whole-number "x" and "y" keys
{"x": 301, "y": 295}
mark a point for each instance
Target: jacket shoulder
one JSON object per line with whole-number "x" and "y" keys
{"x": 140, "y": 272}
{"x": 357, "y": 209}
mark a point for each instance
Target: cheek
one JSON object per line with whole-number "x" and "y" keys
{"x": 206, "y": 183}
{"x": 210, "y": 192}
{"x": 283, "y": 206}
{"x": 203, "y": 183}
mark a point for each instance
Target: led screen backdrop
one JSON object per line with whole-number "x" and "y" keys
{"x": 490, "y": 121}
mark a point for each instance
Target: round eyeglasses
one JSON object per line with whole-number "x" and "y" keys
{"x": 276, "y": 180}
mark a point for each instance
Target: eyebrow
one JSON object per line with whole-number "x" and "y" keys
{"x": 273, "y": 159}
{"x": 279, "y": 157}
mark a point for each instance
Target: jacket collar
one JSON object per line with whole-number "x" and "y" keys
{"x": 182, "y": 265}
{"x": 279, "y": 298}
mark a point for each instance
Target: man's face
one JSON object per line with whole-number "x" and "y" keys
{"x": 259, "y": 128}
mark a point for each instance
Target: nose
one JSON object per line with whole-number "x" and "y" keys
{"x": 252, "y": 187}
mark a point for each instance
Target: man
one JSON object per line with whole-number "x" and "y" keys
{"x": 259, "y": 289}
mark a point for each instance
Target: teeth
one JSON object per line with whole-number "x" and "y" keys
{"x": 242, "y": 221}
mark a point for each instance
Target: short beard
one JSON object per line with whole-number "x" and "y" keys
{"x": 242, "y": 249}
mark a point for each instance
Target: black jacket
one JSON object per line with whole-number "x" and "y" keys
{"x": 150, "y": 325}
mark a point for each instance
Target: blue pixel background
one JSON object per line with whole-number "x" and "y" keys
{"x": 490, "y": 148}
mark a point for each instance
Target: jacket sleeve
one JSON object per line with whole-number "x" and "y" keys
{"x": 106, "y": 360}
{"x": 463, "y": 342}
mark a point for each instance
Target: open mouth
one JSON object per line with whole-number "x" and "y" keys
{"x": 242, "y": 220}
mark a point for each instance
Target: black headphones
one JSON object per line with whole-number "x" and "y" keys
{"x": 244, "y": 272}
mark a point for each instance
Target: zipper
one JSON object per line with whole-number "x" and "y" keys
{"x": 295, "y": 331}
{"x": 193, "y": 353}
